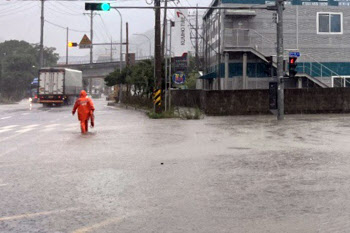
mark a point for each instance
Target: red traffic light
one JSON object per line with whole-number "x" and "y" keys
{"x": 292, "y": 60}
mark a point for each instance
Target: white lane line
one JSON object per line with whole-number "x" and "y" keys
{"x": 24, "y": 114}
{"x": 2, "y": 185}
{"x": 10, "y": 137}
{"x": 49, "y": 128}
{"x": 4, "y": 118}
{"x": 30, "y": 126}
{"x": 52, "y": 125}
{"x": 4, "y": 130}
{"x": 24, "y": 130}
{"x": 9, "y": 126}
{"x": 32, "y": 215}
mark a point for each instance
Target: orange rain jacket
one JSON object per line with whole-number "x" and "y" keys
{"x": 85, "y": 107}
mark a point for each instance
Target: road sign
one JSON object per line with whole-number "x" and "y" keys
{"x": 85, "y": 43}
{"x": 157, "y": 97}
{"x": 180, "y": 63}
{"x": 179, "y": 78}
{"x": 294, "y": 54}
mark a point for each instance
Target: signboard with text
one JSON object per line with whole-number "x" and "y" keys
{"x": 294, "y": 2}
{"x": 180, "y": 63}
{"x": 181, "y": 39}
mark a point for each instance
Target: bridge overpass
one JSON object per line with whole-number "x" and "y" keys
{"x": 94, "y": 73}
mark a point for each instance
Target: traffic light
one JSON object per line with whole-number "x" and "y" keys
{"x": 72, "y": 44}
{"x": 97, "y": 6}
{"x": 292, "y": 67}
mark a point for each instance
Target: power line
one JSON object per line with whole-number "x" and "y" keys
{"x": 106, "y": 29}
{"x": 19, "y": 9}
{"x": 63, "y": 27}
{"x": 61, "y": 12}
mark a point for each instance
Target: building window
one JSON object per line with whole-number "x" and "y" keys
{"x": 329, "y": 23}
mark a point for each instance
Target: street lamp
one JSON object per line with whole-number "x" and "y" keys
{"x": 121, "y": 40}
{"x": 150, "y": 42}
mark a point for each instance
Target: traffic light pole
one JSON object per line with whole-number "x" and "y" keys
{"x": 91, "y": 36}
{"x": 280, "y": 51}
{"x": 67, "y": 46}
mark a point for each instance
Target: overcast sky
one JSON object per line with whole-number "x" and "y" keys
{"x": 20, "y": 20}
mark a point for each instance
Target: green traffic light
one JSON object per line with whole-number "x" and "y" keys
{"x": 105, "y": 6}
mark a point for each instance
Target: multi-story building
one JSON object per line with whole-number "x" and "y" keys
{"x": 242, "y": 41}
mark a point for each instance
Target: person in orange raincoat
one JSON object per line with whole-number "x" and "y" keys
{"x": 86, "y": 110}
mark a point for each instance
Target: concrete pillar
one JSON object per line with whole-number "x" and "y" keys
{"x": 226, "y": 71}
{"x": 300, "y": 83}
{"x": 244, "y": 73}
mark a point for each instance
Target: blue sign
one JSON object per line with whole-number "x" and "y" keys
{"x": 294, "y": 54}
{"x": 179, "y": 78}
{"x": 35, "y": 81}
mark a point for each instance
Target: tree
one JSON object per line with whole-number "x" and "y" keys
{"x": 139, "y": 77}
{"x": 19, "y": 62}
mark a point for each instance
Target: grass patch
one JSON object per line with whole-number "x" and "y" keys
{"x": 182, "y": 113}
{"x": 162, "y": 115}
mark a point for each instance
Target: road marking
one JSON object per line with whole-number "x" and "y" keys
{"x": 10, "y": 137}
{"x": 30, "y": 126}
{"x": 9, "y": 126}
{"x": 4, "y": 130}
{"x": 99, "y": 225}
{"x": 4, "y": 118}
{"x": 31, "y": 215}
{"x": 52, "y": 125}
{"x": 2, "y": 185}
{"x": 24, "y": 114}
{"x": 25, "y": 130}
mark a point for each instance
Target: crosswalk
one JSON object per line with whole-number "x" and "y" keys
{"x": 37, "y": 128}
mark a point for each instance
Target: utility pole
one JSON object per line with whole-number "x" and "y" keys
{"x": 280, "y": 50}
{"x": 172, "y": 24}
{"x": 157, "y": 51}
{"x": 111, "y": 50}
{"x": 165, "y": 45}
{"x": 164, "y": 27}
{"x": 91, "y": 37}
{"x": 127, "y": 45}
{"x": 197, "y": 55}
{"x": 41, "y": 59}
{"x": 67, "y": 46}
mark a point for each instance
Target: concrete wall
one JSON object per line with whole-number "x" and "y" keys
{"x": 248, "y": 102}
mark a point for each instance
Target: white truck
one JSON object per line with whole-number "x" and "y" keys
{"x": 58, "y": 86}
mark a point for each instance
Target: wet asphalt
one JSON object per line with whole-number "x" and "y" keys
{"x": 134, "y": 174}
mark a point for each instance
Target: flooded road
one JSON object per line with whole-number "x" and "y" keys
{"x": 134, "y": 174}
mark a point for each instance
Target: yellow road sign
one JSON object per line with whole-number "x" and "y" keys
{"x": 85, "y": 43}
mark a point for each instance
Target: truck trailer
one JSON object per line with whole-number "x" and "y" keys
{"x": 59, "y": 86}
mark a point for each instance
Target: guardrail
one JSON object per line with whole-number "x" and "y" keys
{"x": 240, "y": 37}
